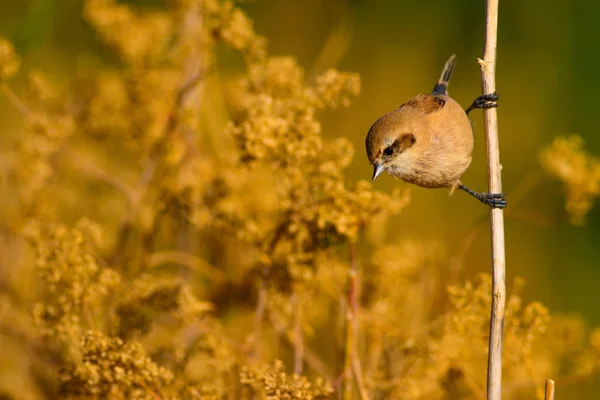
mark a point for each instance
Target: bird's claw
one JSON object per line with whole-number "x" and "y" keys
{"x": 484, "y": 101}
{"x": 487, "y": 100}
{"x": 494, "y": 200}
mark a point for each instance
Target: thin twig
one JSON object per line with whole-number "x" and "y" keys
{"x": 352, "y": 361}
{"x": 354, "y": 307}
{"x": 488, "y": 79}
{"x": 298, "y": 338}
{"x": 86, "y": 165}
{"x": 189, "y": 260}
{"x": 310, "y": 357}
{"x": 549, "y": 395}
{"x": 358, "y": 375}
{"x": 349, "y": 345}
{"x": 261, "y": 305}
{"x": 261, "y": 302}
{"x": 150, "y": 391}
{"x": 14, "y": 99}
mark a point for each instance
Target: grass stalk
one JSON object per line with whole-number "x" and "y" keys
{"x": 488, "y": 78}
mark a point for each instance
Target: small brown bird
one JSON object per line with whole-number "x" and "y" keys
{"x": 428, "y": 140}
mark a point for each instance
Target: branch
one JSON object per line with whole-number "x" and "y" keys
{"x": 488, "y": 78}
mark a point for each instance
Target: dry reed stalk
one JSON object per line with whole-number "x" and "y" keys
{"x": 549, "y": 395}
{"x": 488, "y": 79}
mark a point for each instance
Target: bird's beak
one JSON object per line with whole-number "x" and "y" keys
{"x": 377, "y": 170}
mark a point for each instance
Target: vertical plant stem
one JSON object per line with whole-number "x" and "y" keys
{"x": 488, "y": 78}
{"x": 259, "y": 313}
{"x": 549, "y": 395}
{"x": 350, "y": 367}
{"x": 349, "y": 346}
{"x": 298, "y": 339}
{"x": 360, "y": 382}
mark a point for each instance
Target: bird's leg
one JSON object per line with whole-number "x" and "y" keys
{"x": 495, "y": 200}
{"x": 484, "y": 101}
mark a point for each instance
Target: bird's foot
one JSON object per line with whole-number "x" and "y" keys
{"x": 494, "y": 200}
{"x": 484, "y": 101}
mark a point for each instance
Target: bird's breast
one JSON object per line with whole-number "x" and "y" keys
{"x": 437, "y": 170}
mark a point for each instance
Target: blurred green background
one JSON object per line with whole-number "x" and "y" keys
{"x": 547, "y": 79}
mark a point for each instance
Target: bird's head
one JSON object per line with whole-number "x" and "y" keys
{"x": 390, "y": 143}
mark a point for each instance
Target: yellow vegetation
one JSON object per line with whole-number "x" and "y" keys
{"x": 176, "y": 233}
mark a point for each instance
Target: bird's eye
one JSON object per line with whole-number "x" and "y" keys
{"x": 388, "y": 151}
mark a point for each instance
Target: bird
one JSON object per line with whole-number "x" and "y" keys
{"x": 428, "y": 140}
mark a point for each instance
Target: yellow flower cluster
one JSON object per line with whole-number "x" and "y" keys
{"x": 588, "y": 363}
{"x": 444, "y": 357}
{"x": 147, "y": 34}
{"x": 132, "y": 108}
{"x": 212, "y": 365}
{"x": 229, "y": 24}
{"x": 40, "y": 90}
{"x": 110, "y": 368}
{"x": 579, "y": 171}
{"x": 276, "y": 125}
{"x": 43, "y": 135}
{"x": 9, "y": 61}
{"x": 79, "y": 294}
{"x": 270, "y": 382}
{"x": 73, "y": 281}
{"x": 277, "y": 119}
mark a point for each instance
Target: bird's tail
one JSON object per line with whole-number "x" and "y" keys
{"x": 441, "y": 87}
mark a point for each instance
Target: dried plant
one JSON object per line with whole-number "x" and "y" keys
{"x": 579, "y": 171}
{"x": 176, "y": 231}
